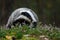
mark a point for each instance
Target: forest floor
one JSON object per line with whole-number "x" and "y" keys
{"x": 41, "y": 32}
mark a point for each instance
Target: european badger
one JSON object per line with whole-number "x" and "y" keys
{"x": 22, "y": 16}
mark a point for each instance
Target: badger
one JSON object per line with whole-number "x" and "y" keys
{"x": 22, "y": 16}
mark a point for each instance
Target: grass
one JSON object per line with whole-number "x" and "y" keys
{"x": 26, "y": 33}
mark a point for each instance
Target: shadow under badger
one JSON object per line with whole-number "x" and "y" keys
{"x": 22, "y": 16}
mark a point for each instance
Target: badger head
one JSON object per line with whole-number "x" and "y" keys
{"x": 23, "y": 16}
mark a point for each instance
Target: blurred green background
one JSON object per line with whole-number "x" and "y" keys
{"x": 47, "y": 10}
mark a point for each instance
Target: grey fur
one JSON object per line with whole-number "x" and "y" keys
{"x": 18, "y": 12}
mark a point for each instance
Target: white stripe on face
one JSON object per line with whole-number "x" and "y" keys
{"x": 23, "y": 17}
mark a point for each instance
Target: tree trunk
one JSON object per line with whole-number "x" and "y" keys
{"x": 3, "y": 11}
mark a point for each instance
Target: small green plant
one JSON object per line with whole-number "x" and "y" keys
{"x": 18, "y": 32}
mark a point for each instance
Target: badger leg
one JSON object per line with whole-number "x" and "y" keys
{"x": 30, "y": 25}
{"x": 8, "y": 26}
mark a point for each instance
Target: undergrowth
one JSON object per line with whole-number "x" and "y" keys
{"x": 24, "y": 32}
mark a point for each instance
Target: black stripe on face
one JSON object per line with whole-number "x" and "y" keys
{"x": 21, "y": 21}
{"x": 26, "y": 14}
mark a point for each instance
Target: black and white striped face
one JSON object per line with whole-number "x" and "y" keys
{"x": 22, "y": 20}
{"x": 23, "y": 16}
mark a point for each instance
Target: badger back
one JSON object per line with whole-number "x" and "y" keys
{"x": 22, "y": 11}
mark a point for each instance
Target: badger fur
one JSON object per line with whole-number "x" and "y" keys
{"x": 23, "y": 16}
